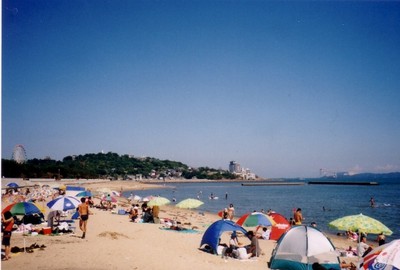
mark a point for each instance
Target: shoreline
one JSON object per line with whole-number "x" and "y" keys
{"x": 112, "y": 242}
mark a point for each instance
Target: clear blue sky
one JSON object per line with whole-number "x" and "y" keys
{"x": 284, "y": 88}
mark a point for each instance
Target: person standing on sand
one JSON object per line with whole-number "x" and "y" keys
{"x": 83, "y": 210}
{"x": 231, "y": 212}
{"x": 298, "y": 217}
{"x": 7, "y": 221}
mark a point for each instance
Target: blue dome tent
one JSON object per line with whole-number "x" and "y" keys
{"x": 213, "y": 233}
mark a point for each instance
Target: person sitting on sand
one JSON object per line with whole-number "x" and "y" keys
{"x": 134, "y": 213}
{"x": 89, "y": 201}
{"x": 241, "y": 253}
{"x": 265, "y": 234}
{"x": 381, "y": 239}
{"x": 147, "y": 215}
{"x": 233, "y": 242}
{"x": 254, "y": 247}
{"x": 363, "y": 248}
{"x": 225, "y": 213}
{"x": 347, "y": 266}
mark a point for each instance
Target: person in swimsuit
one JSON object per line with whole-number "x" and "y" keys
{"x": 298, "y": 217}
{"x": 83, "y": 210}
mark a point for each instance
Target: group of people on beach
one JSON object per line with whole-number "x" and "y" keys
{"x": 148, "y": 214}
{"x": 229, "y": 212}
{"x": 238, "y": 250}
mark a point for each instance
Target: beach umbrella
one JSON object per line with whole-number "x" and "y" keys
{"x": 115, "y": 193}
{"x": 85, "y": 193}
{"x": 385, "y": 257}
{"x": 281, "y": 226}
{"x": 109, "y": 198}
{"x": 12, "y": 185}
{"x": 158, "y": 201}
{"x": 147, "y": 199}
{"x": 255, "y": 219}
{"x": 189, "y": 203}
{"x": 63, "y": 203}
{"x": 40, "y": 206}
{"x": 135, "y": 198}
{"x": 22, "y": 208}
{"x": 361, "y": 223}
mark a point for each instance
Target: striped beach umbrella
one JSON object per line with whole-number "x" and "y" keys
{"x": 64, "y": 203}
{"x": 255, "y": 219}
{"x": 22, "y": 208}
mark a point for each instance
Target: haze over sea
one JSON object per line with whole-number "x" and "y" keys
{"x": 338, "y": 200}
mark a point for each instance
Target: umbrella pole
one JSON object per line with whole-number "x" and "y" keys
{"x": 23, "y": 236}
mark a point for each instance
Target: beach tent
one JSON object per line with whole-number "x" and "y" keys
{"x": 281, "y": 226}
{"x": 302, "y": 246}
{"x": 213, "y": 233}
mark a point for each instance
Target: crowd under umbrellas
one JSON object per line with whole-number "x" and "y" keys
{"x": 31, "y": 206}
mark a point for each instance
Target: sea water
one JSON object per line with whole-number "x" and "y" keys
{"x": 319, "y": 203}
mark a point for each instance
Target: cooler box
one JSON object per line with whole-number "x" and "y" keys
{"x": 121, "y": 212}
{"x": 46, "y": 230}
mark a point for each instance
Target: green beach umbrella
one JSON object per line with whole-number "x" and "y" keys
{"x": 158, "y": 201}
{"x": 189, "y": 203}
{"x": 22, "y": 208}
{"x": 361, "y": 223}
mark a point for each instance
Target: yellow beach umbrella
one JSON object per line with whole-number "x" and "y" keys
{"x": 158, "y": 201}
{"x": 189, "y": 203}
{"x": 361, "y": 223}
{"x": 41, "y": 207}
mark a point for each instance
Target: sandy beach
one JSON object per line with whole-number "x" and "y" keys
{"x": 113, "y": 242}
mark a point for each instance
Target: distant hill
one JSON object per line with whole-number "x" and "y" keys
{"x": 367, "y": 176}
{"x": 108, "y": 166}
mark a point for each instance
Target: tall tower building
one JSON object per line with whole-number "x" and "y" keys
{"x": 234, "y": 167}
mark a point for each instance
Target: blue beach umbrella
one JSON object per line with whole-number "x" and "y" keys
{"x": 64, "y": 203}
{"x": 12, "y": 185}
{"x": 85, "y": 193}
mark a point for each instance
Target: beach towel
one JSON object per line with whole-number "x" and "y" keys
{"x": 181, "y": 231}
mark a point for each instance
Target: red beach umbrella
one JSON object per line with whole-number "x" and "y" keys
{"x": 281, "y": 226}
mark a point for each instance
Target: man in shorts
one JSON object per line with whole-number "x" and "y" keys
{"x": 83, "y": 210}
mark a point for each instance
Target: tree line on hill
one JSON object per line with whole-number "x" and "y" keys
{"x": 108, "y": 166}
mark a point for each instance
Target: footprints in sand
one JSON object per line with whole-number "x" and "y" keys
{"x": 112, "y": 235}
